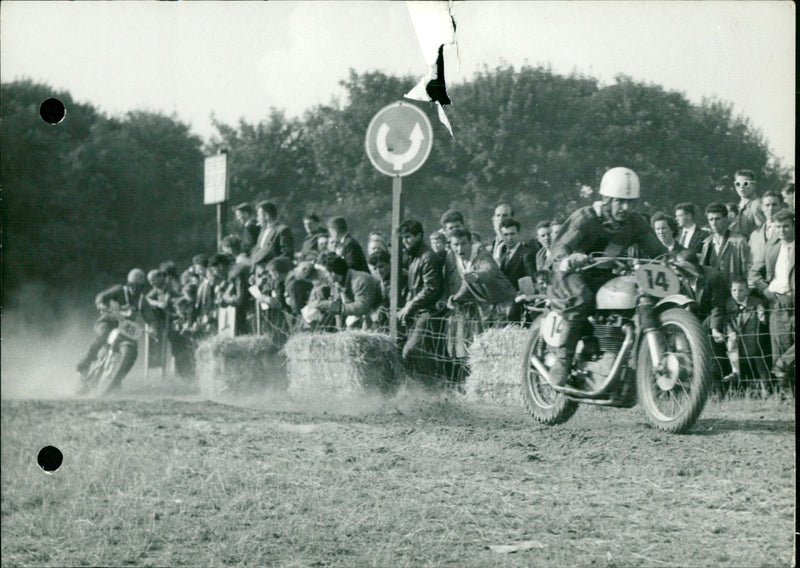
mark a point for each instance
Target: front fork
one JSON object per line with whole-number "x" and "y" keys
{"x": 648, "y": 323}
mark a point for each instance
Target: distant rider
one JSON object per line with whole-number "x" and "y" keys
{"x": 609, "y": 227}
{"x": 129, "y": 298}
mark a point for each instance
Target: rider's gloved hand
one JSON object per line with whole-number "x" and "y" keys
{"x": 573, "y": 261}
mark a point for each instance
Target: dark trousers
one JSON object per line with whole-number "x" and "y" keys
{"x": 781, "y": 329}
{"x": 572, "y": 293}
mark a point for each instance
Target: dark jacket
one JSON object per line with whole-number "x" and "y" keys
{"x": 310, "y": 250}
{"x": 522, "y": 263}
{"x": 587, "y": 231}
{"x": 749, "y": 218}
{"x": 362, "y": 293}
{"x": 711, "y": 295}
{"x": 250, "y": 233}
{"x": 424, "y": 279}
{"x": 696, "y": 242}
{"x": 122, "y": 296}
{"x": 278, "y": 242}
{"x": 733, "y": 258}
{"x": 352, "y": 253}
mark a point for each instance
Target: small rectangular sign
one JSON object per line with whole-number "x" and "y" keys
{"x": 216, "y": 179}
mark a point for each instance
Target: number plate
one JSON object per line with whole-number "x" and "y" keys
{"x": 554, "y": 330}
{"x": 130, "y": 329}
{"x": 657, "y": 280}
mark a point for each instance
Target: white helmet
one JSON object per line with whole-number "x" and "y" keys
{"x": 621, "y": 183}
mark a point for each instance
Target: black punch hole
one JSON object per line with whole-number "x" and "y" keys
{"x": 49, "y": 459}
{"x": 52, "y": 111}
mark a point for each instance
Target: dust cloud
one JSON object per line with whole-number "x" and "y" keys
{"x": 43, "y": 338}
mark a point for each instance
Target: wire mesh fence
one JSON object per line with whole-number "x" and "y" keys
{"x": 436, "y": 347}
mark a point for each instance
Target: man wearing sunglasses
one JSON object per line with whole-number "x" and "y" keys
{"x": 750, "y": 214}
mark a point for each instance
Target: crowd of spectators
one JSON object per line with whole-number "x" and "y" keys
{"x": 453, "y": 285}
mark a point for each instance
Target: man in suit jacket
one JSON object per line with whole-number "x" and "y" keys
{"x": 750, "y": 214}
{"x": 275, "y": 238}
{"x": 518, "y": 261}
{"x": 723, "y": 250}
{"x": 346, "y": 246}
{"x": 771, "y": 204}
{"x": 774, "y": 278}
{"x": 246, "y": 216}
{"x": 690, "y": 235}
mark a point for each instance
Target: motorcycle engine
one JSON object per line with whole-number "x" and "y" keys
{"x": 598, "y": 351}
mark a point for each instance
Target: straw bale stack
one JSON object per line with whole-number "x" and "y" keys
{"x": 494, "y": 365}
{"x": 341, "y": 363}
{"x": 239, "y": 365}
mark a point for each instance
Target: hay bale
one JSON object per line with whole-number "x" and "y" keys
{"x": 239, "y": 365}
{"x": 343, "y": 363}
{"x": 494, "y": 365}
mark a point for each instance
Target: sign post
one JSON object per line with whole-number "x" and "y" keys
{"x": 398, "y": 141}
{"x": 216, "y": 189}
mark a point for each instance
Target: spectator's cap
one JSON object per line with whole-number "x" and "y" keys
{"x": 280, "y": 264}
{"x": 155, "y": 274}
{"x": 220, "y": 260}
{"x": 620, "y": 183}
{"x": 137, "y": 276}
{"x": 438, "y": 235}
{"x": 333, "y": 263}
{"x": 169, "y": 268}
{"x": 246, "y": 208}
{"x": 380, "y": 255}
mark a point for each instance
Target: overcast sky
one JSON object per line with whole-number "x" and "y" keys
{"x": 239, "y": 59}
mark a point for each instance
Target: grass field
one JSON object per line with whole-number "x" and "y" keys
{"x": 416, "y": 480}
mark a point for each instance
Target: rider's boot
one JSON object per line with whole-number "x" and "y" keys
{"x": 559, "y": 372}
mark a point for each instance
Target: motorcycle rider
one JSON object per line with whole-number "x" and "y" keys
{"x": 130, "y": 299}
{"x": 609, "y": 227}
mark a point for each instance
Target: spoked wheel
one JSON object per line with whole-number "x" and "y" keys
{"x": 674, "y": 393}
{"x": 544, "y": 403}
{"x": 92, "y": 377}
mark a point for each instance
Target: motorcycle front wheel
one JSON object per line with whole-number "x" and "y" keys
{"x": 118, "y": 362}
{"x": 543, "y": 402}
{"x": 673, "y": 394}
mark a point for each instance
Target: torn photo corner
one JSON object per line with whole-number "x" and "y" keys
{"x": 435, "y": 29}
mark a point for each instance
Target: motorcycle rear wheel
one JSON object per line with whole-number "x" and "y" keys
{"x": 543, "y": 402}
{"x": 674, "y": 401}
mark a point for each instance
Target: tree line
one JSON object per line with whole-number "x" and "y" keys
{"x": 85, "y": 200}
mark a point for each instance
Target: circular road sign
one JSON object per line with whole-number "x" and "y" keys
{"x": 399, "y": 139}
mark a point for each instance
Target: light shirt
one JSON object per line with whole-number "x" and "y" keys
{"x": 504, "y": 258}
{"x": 499, "y": 250}
{"x": 783, "y": 266}
{"x": 718, "y": 241}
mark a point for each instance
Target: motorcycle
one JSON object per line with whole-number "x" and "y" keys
{"x": 114, "y": 359}
{"x": 640, "y": 345}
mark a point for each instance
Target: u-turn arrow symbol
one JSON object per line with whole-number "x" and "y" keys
{"x": 399, "y": 160}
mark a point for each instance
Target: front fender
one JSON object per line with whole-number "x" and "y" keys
{"x": 678, "y": 300}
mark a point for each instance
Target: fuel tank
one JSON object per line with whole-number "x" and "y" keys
{"x": 617, "y": 294}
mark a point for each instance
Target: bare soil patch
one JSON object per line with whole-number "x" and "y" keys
{"x": 419, "y": 479}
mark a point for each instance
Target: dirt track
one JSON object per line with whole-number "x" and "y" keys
{"x": 419, "y": 480}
